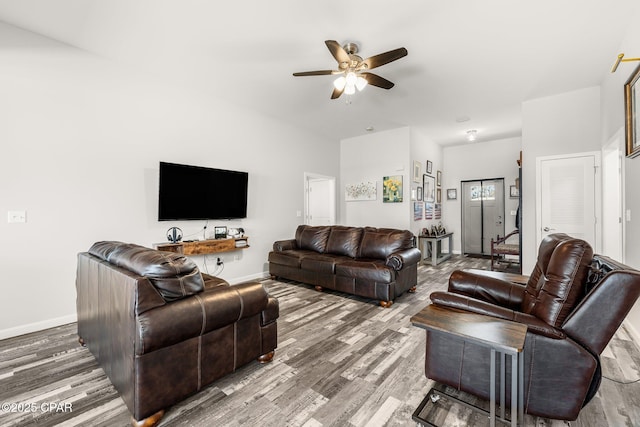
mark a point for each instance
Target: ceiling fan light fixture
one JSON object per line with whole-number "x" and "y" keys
{"x": 340, "y": 83}
{"x": 472, "y": 135}
{"x": 361, "y": 82}
{"x": 349, "y": 89}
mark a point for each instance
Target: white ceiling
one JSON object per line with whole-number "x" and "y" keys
{"x": 473, "y": 58}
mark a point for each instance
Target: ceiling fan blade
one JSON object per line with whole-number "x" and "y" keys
{"x": 336, "y": 93}
{"x": 338, "y": 52}
{"x": 314, "y": 73}
{"x": 384, "y": 58}
{"x": 376, "y": 80}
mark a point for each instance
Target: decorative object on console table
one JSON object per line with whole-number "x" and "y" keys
{"x": 631, "y": 92}
{"x": 220, "y": 232}
{"x": 174, "y": 234}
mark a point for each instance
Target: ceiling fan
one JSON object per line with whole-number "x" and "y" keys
{"x": 353, "y": 69}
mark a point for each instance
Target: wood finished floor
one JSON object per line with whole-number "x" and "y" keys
{"x": 341, "y": 361}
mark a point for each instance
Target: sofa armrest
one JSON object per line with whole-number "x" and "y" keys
{"x": 399, "y": 259}
{"x": 461, "y": 302}
{"x": 284, "y": 245}
{"x": 198, "y": 314}
{"x": 271, "y": 313}
{"x": 486, "y": 288}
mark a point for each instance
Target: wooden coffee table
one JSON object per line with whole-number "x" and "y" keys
{"x": 501, "y": 336}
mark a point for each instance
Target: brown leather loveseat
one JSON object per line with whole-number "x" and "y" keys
{"x": 378, "y": 263}
{"x": 572, "y": 304}
{"x": 161, "y": 330}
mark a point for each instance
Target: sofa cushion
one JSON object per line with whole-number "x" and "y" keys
{"x": 321, "y": 263}
{"x": 373, "y": 270}
{"x": 173, "y": 275}
{"x": 344, "y": 240}
{"x": 379, "y": 243}
{"x": 313, "y": 238}
{"x": 291, "y": 258}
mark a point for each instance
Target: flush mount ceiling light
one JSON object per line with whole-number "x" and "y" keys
{"x": 352, "y": 69}
{"x": 472, "y": 135}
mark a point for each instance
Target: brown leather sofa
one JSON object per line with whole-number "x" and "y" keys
{"x": 161, "y": 330}
{"x": 378, "y": 263}
{"x": 572, "y": 303}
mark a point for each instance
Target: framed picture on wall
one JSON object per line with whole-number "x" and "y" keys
{"x": 439, "y": 178}
{"x": 429, "y": 188}
{"x": 514, "y": 193}
{"x": 429, "y": 167}
{"x": 452, "y": 193}
{"x": 419, "y": 193}
{"x": 631, "y": 94}
{"x": 417, "y": 171}
{"x": 439, "y": 195}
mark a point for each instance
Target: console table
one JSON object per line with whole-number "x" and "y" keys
{"x": 433, "y": 245}
{"x": 204, "y": 247}
{"x": 501, "y": 336}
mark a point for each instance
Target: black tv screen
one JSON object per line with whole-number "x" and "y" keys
{"x": 195, "y": 192}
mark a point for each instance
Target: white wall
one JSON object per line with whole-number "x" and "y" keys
{"x": 560, "y": 124}
{"x": 423, "y": 149}
{"x": 612, "y": 122}
{"x": 81, "y": 141}
{"x": 370, "y": 158}
{"x": 491, "y": 159}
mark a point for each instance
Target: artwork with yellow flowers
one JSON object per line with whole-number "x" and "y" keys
{"x": 392, "y": 189}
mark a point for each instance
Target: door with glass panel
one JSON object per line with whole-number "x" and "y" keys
{"x": 482, "y": 214}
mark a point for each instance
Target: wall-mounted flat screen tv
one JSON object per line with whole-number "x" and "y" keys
{"x": 194, "y": 192}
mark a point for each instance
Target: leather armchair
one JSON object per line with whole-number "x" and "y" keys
{"x": 572, "y": 303}
{"x": 161, "y": 330}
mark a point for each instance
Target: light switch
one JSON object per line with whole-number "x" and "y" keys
{"x": 298, "y": 214}
{"x": 17, "y": 216}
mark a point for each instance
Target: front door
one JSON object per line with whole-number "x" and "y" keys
{"x": 482, "y": 214}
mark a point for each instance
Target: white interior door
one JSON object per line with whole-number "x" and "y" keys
{"x": 567, "y": 196}
{"x": 320, "y": 200}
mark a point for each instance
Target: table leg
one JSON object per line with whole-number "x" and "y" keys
{"x": 514, "y": 390}
{"x": 521, "y": 387}
{"x": 434, "y": 253}
{"x": 503, "y": 382}
{"x": 492, "y": 390}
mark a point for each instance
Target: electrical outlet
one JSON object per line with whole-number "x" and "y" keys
{"x": 17, "y": 216}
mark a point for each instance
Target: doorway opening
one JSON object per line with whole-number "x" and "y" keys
{"x": 319, "y": 199}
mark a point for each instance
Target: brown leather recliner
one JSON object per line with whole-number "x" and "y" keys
{"x": 161, "y": 330}
{"x": 573, "y": 303}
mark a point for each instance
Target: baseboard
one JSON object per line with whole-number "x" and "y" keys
{"x": 37, "y": 326}
{"x": 257, "y": 276}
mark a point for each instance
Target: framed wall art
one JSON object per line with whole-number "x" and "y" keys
{"x": 452, "y": 193}
{"x": 392, "y": 189}
{"x": 417, "y": 171}
{"x": 429, "y": 188}
{"x": 439, "y": 178}
{"x": 429, "y": 167}
{"x": 631, "y": 94}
